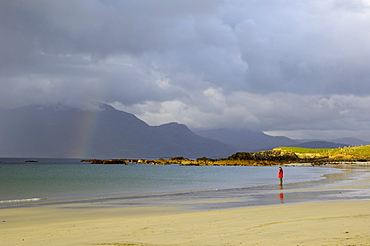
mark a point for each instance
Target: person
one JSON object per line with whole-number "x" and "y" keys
{"x": 281, "y": 175}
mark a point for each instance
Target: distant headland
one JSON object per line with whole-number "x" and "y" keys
{"x": 276, "y": 156}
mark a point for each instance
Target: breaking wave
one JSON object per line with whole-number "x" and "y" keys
{"x": 23, "y": 200}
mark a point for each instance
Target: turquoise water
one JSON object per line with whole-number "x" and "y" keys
{"x": 69, "y": 180}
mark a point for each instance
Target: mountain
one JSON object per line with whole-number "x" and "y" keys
{"x": 253, "y": 141}
{"x": 319, "y": 145}
{"x": 350, "y": 141}
{"x": 246, "y": 140}
{"x": 58, "y": 131}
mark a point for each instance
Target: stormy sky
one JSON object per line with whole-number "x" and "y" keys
{"x": 285, "y": 67}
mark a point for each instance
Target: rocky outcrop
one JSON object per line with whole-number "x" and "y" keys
{"x": 270, "y": 155}
{"x": 262, "y": 158}
{"x": 109, "y": 161}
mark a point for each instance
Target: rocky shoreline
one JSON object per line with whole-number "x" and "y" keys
{"x": 262, "y": 158}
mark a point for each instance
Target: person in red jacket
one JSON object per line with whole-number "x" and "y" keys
{"x": 281, "y": 175}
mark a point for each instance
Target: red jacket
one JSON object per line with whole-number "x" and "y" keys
{"x": 281, "y": 174}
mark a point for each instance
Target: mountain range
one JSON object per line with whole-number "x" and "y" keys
{"x": 63, "y": 132}
{"x": 246, "y": 140}
{"x": 253, "y": 141}
{"x": 58, "y": 131}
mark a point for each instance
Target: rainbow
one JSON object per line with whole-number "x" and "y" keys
{"x": 84, "y": 132}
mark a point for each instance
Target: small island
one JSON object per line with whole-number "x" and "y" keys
{"x": 276, "y": 156}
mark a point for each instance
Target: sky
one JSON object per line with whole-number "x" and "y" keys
{"x": 300, "y": 69}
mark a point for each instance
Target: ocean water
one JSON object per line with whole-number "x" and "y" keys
{"x": 70, "y": 181}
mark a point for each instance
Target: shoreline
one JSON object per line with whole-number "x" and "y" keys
{"x": 203, "y": 199}
{"x": 344, "y": 220}
{"x": 221, "y": 198}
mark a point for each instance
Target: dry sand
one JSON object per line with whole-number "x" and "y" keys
{"x": 323, "y": 223}
{"x": 320, "y": 223}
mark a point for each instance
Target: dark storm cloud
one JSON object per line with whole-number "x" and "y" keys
{"x": 278, "y": 66}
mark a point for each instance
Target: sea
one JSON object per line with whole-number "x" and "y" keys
{"x": 43, "y": 181}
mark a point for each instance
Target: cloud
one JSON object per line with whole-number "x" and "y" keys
{"x": 277, "y": 66}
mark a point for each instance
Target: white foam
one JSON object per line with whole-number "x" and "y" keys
{"x": 22, "y": 200}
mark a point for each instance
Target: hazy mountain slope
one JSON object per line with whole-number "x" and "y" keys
{"x": 350, "y": 141}
{"x": 319, "y": 145}
{"x": 55, "y": 131}
{"x": 246, "y": 140}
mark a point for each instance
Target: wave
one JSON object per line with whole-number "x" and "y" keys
{"x": 23, "y": 200}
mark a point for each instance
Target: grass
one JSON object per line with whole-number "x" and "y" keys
{"x": 303, "y": 150}
{"x": 349, "y": 152}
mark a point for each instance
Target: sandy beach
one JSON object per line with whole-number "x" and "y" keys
{"x": 344, "y": 222}
{"x": 327, "y": 223}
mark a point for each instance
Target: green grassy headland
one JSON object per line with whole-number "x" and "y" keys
{"x": 277, "y": 156}
{"x": 345, "y": 153}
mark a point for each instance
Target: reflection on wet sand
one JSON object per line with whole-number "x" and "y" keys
{"x": 281, "y": 195}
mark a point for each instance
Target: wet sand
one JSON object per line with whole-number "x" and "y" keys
{"x": 337, "y": 222}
